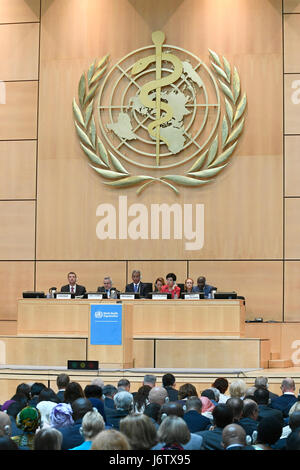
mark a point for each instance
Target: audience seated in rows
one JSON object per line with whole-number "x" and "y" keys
{"x": 107, "y": 417}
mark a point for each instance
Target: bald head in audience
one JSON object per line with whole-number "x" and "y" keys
{"x": 158, "y": 395}
{"x": 5, "y": 424}
{"x": 233, "y": 434}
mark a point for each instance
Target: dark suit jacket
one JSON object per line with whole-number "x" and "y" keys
{"x": 249, "y": 425}
{"x": 80, "y": 290}
{"x": 114, "y": 417}
{"x": 264, "y": 411}
{"x": 144, "y": 289}
{"x": 207, "y": 289}
{"x": 195, "y": 421}
{"x": 172, "y": 393}
{"x": 71, "y": 435}
{"x": 284, "y": 403}
{"x": 103, "y": 290}
{"x": 212, "y": 440}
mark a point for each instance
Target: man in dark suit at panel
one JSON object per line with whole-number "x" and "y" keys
{"x": 203, "y": 287}
{"x": 73, "y": 287}
{"x": 137, "y": 286}
{"x": 107, "y": 287}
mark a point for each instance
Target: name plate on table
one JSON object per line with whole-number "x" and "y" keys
{"x": 64, "y": 295}
{"x": 191, "y": 296}
{"x": 95, "y": 296}
{"x": 106, "y": 324}
{"x": 128, "y": 296}
{"x": 159, "y": 296}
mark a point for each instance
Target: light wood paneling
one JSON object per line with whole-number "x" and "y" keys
{"x": 151, "y": 270}
{"x": 17, "y": 169}
{"x": 271, "y": 331}
{"x": 17, "y": 230}
{"x": 15, "y": 277}
{"x": 292, "y": 228}
{"x": 89, "y": 274}
{"x": 41, "y": 351}
{"x": 19, "y": 51}
{"x": 8, "y": 327}
{"x": 292, "y": 103}
{"x": 291, "y": 6}
{"x": 143, "y": 353}
{"x": 292, "y": 165}
{"x": 291, "y": 43}
{"x": 260, "y": 282}
{"x": 18, "y": 116}
{"x": 208, "y": 353}
{"x": 291, "y": 291}
{"x": 19, "y": 11}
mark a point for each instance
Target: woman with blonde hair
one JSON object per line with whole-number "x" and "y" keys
{"x": 237, "y": 389}
{"x": 140, "y": 431}
{"x": 110, "y": 440}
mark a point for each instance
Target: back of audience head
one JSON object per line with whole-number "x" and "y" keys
{"x": 47, "y": 394}
{"x": 250, "y": 409}
{"x": 168, "y": 380}
{"x": 261, "y": 396}
{"x": 124, "y": 384}
{"x": 237, "y": 388}
{"x": 193, "y": 403}
{"x": 98, "y": 381}
{"x": 269, "y": 431}
{"x": 141, "y": 397}
{"x": 294, "y": 420}
{"x": 173, "y": 430}
{"x": 80, "y": 407}
{"x": 295, "y": 407}
{"x": 139, "y": 430}
{"x": 110, "y": 439}
{"x": 150, "y": 380}
{"x": 48, "y": 439}
{"x": 221, "y": 384}
{"x": 92, "y": 424}
{"x": 24, "y": 389}
{"x": 73, "y": 392}
{"x": 15, "y": 408}
{"x": 233, "y": 434}
{"x": 123, "y": 401}
{"x": 5, "y": 424}
{"x": 62, "y": 381}
{"x": 61, "y": 416}
{"x": 288, "y": 385}
{"x": 36, "y": 389}
{"x": 109, "y": 390}
{"x": 152, "y": 411}
{"x": 170, "y": 409}
{"x": 222, "y": 415}
{"x": 187, "y": 390}
{"x": 209, "y": 393}
{"x": 93, "y": 391}
{"x": 158, "y": 395}
{"x": 236, "y": 405}
{"x": 250, "y": 393}
{"x": 261, "y": 382}
{"x": 293, "y": 440}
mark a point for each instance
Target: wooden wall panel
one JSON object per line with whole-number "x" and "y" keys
{"x": 18, "y": 116}
{"x": 17, "y": 169}
{"x": 292, "y": 228}
{"x": 291, "y": 43}
{"x": 15, "y": 277}
{"x": 291, "y": 294}
{"x": 260, "y": 282}
{"x": 291, "y": 6}
{"x": 19, "y": 51}
{"x": 19, "y": 11}
{"x": 292, "y": 103}
{"x": 89, "y": 274}
{"x": 292, "y": 165}
{"x": 17, "y": 234}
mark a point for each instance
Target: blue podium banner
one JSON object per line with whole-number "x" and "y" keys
{"x": 106, "y": 324}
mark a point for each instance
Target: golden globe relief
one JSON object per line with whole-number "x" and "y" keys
{"x": 173, "y": 113}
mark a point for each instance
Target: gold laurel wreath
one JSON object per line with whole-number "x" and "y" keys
{"x": 206, "y": 167}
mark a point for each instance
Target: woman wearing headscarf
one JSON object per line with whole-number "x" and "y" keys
{"x": 28, "y": 420}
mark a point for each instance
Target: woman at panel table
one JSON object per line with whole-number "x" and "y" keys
{"x": 170, "y": 287}
{"x": 189, "y": 285}
{"x": 159, "y": 283}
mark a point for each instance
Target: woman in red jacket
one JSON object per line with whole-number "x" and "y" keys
{"x": 170, "y": 287}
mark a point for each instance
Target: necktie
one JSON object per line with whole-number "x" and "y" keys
{"x": 72, "y": 289}
{"x": 135, "y": 288}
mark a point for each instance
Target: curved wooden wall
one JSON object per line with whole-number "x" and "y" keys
{"x": 49, "y": 194}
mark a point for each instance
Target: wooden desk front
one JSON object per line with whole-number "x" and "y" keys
{"x": 150, "y": 318}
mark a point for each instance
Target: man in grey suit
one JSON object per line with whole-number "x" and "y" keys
{"x": 107, "y": 287}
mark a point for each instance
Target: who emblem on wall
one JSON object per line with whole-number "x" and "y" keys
{"x": 160, "y": 115}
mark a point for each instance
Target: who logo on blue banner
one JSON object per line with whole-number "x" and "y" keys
{"x": 106, "y": 325}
